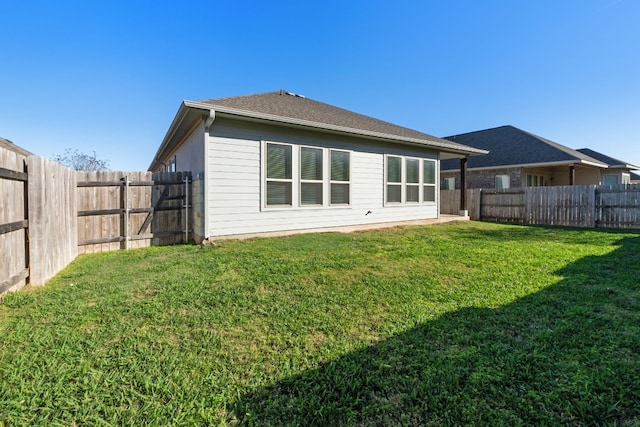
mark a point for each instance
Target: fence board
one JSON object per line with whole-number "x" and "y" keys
{"x": 13, "y": 239}
{"x": 52, "y": 218}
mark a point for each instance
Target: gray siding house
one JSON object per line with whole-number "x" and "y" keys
{"x": 278, "y": 161}
{"x": 518, "y": 158}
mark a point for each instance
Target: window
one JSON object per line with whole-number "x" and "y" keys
{"x": 340, "y": 177}
{"x": 429, "y": 180}
{"x": 450, "y": 183}
{"x": 311, "y": 176}
{"x": 279, "y": 175}
{"x": 502, "y": 181}
{"x": 409, "y": 180}
{"x": 610, "y": 179}
{"x": 322, "y": 176}
{"x": 394, "y": 179}
{"x": 535, "y": 180}
{"x": 413, "y": 180}
{"x": 626, "y": 178}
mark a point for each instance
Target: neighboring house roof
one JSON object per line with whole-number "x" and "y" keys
{"x": 8, "y": 145}
{"x": 610, "y": 161}
{"x": 635, "y": 176}
{"x": 510, "y": 146}
{"x": 296, "y": 110}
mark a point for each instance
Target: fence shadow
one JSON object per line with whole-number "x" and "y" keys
{"x": 566, "y": 355}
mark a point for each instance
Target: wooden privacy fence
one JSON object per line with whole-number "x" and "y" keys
{"x": 14, "y": 239}
{"x": 37, "y": 219}
{"x": 122, "y": 210}
{"x": 50, "y": 213}
{"x": 606, "y": 206}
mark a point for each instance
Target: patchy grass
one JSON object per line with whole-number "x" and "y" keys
{"x": 466, "y": 323}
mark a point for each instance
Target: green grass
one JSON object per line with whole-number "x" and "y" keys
{"x": 458, "y": 324}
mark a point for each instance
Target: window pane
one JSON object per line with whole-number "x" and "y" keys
{"x": 339, "y": 166}
{"x": 502, "y": 181}
{"x": 429, "y": 193}
{"x": 394, "y": 169}
{"x": 278, "y": 161}
{"x": 610, "y": 179}
{"x": 311, "y": 163}
{"x": 278, "y": 193}
{"x": 413, "y": 171}
{"x": 339, "y": 194}
{"x": 429, "y": 172}
{"x": 311, "y": 193}
{"x": 394, "y": 193}
{"x": 413, "y": 193}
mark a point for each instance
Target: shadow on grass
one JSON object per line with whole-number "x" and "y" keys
{"x": 565, "y": 355}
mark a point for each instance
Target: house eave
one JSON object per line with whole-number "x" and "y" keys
{"x": 453, "y": 150}
{"x": 585, "y": 163}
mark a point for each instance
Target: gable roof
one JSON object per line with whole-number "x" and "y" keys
{"x": 510, "y": 146}
{"x": 289, "y": 109}
{"x": 610, "y": 161}
{"x": 635, "y": 176}
{"x": 8, "y": 145}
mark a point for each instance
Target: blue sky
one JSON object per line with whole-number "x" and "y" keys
{"x": 109, "y": 75}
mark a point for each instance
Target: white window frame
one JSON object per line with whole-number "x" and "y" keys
{"x": 450, "y": 183}
{"x": 429, "y": 184}
{"x": 331, "y": 181}
{"x": 626, "y": 178}
{"x": 297, "y": 181}
{"x": 534, "y": 180}
{"x": 502, "y": 178}
{"x": 266, "y": 179}
{"x": 604, "y": 178}
{"x": 321, "y": 181}
{"x": 403, "y": 184}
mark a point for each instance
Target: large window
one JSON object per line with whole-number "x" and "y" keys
{"x": 323, "y": 176}
{"x": 311, "y": 176}
{"x": 340, "y": 177}
{"x": 503, "y": 181}
{"x": 409, "y": 180}
{"x": 535, "y": 180}
{"x": 429, "y": 180}
{"x": 449, "y": 183}
{"x": 279, "y": 175}
{"x": 394, "y": 179}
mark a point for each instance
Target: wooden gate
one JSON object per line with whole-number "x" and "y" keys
{"x": 122, "y": 210}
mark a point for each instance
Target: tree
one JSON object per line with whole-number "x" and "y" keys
{"x": 74, "y": 159}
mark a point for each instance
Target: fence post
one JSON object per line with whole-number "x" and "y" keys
{"x": 125, "y": 199}
{"x": 186, "y": 209}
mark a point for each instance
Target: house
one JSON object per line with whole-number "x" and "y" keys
{"x": 518, "y": 158}
{"x": 635, "y": 178}
{"x": 278, "y": 161}
{"x": 617, "y": 172}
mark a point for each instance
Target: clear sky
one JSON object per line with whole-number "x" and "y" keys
{"x": 109, "y": 75}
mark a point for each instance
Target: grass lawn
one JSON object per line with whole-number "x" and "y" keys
{"x": 458, "y": 324}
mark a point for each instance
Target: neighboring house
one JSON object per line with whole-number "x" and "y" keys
{"x": 278, "y": 161}
{"x": 519, "y": 159}
{"x": 635, "y": 178}
{"x": 617, "y": 172}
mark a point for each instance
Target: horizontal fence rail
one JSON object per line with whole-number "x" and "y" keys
{"x": 605, "y": 206}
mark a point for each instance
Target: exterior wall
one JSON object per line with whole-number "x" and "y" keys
{"x": 197, "y": 203}
{"x": 234, "y": 182}
{"x": 190, "y": 154}
{"x": 553, "y": 176}
{"x": 485, "y": 178}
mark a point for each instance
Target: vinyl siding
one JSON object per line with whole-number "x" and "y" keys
{"x": 190, "y": 155}
{"x": 234, "y": 181}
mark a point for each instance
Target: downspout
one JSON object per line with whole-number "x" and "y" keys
{"x": 208, "y": 121}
